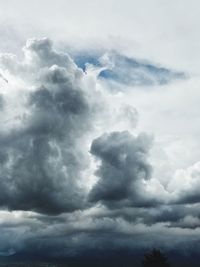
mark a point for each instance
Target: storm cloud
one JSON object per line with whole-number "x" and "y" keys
{"x": 42, "y": 158}
{"x": 76, "y": 174}
{"x": 123, "y": 169}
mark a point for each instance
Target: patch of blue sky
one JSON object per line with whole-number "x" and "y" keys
{"x": 129, "y": 71}
{"x": 83, "y": 60}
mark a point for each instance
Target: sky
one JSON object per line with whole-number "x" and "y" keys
{"x": 99, "y": 127}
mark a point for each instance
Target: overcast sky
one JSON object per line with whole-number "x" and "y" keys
{"x": 99, "y": 126}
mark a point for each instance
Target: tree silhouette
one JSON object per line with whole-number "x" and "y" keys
{"x": 155, "y": 258}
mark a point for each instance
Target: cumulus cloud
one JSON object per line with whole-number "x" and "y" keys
{"x": 42, "y": 157}
{"x": 75, "y": 170}
{"x": 184, "y": 185}
{"x": 123, "y": 169}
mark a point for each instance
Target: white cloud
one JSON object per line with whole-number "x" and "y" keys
{"x": 141, "y": 28}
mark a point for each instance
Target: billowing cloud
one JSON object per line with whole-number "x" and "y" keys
{"x": 123, "y": 169}
{"x": 184, "y": 185}
{"x": 76, "y": 175}
{"x": 42, "y": 157}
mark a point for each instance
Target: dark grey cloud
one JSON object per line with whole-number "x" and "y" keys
{"x": 124, "y": 166}
{"x": 77, "y": 234}
{"x": 48, "y": 121}
{"x": 42, "y": 160}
